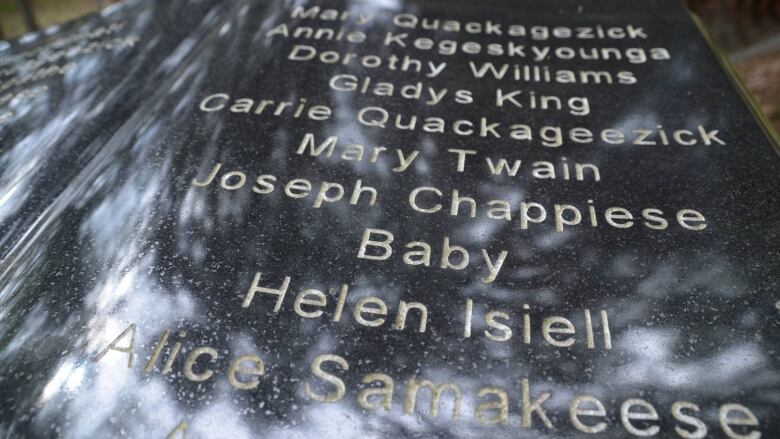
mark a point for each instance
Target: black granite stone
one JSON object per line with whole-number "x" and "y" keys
{"x": 110, "y": 235}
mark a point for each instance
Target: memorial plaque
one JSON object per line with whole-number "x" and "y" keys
{"x": 388, "y": 219}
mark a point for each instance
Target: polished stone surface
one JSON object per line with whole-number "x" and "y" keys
{"x": 109, "y": 233}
